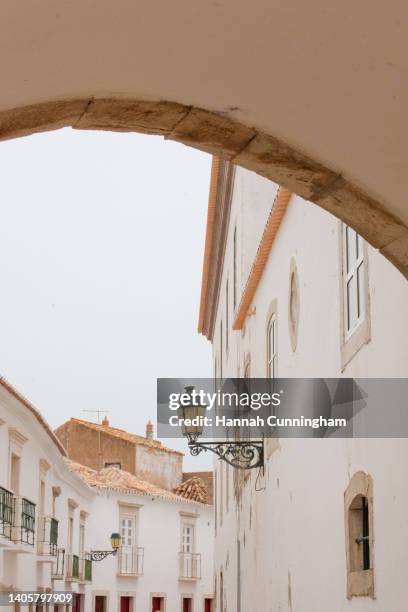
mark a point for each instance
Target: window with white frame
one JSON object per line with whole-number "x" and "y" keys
{"x": 355, "y": 294}
{"x": 354, "y": 280}
{"x": 272, "y": 356}
{"x": 127, "y": 529}
{"x": 187, "y": 538}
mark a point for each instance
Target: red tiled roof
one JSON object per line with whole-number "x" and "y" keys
{"x": 113, "y": 478}
{"x": 124, "y": 435}
{"x": 207, "y": 478}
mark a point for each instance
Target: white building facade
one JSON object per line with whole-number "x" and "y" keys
{"x": 289, "y": 291}
{"x": 53, "y": 513}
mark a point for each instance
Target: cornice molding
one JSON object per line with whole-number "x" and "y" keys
{"x": 219, "y": 207}
{"x": 17, "y": 437}
{"x": 272, "y": 226}
{"x": 188, "y": 514}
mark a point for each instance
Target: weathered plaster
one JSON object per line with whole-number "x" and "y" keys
{"x": 220, "y": 135}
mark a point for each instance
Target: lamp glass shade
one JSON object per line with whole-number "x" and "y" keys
{"x": 115, "y": 541}
{"x": 191, "y": 418}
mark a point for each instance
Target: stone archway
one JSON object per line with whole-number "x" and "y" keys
{"x": 220, "y": 135}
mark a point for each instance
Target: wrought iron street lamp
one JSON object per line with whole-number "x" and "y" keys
{"x": 100, "y": 555}
{"x": 242, "y": 454}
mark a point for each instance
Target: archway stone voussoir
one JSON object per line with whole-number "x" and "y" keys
{"x": 277, "y": 161}
{"x": 397, "y": 253}
{"x": 219, "y": 135}
{"x": 123, "y": 115}
{"x": 41, "y": 117}
{"x": 365, "y": 215}
{"x": 213, "y": 133}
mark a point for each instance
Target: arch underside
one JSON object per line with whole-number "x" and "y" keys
{"x": 220, "y": 135}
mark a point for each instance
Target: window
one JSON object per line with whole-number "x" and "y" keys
{"x": 272, "y": 351}
{"x": 187, "y": 538}
{"x": 359, "y": 533}
{"x": 271, "y": 442}
{"x": 187, "y": 603}
{"x": 189, "y": 560}
{"x": 354, "y": 280}
{"x": 158, "y": 603}
{"x": 358, "y": 510}
{"x": 355, "y": 315}
{"x": 208, "y": 604}
{"x": 129, "y": 560}
{"x": 100, "y": 603}
{"x": 127, "y": 530}
{"x": 293, "y": 304}
{"x": 126, "y": 603}
{"x": 115, "y": 464}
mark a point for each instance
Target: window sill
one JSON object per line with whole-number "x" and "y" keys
{"x": 351, "y": 346}
{"x": 360, "y": 584}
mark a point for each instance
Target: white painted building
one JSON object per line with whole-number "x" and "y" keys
{"x": 289, "y": 291}
{"x": 54, "y": 512}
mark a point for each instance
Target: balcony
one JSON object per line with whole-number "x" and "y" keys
{"x": 85, "y": 568}
{"x": 24, "y": 521}
{"x": 189, "y": 566}
{"x": 48, "y": 536}
{"x": 6, "y": 513}
{"x": 58, "y": 566}
{"x": 72, "y": 567}
{"x": 130, "y": 561}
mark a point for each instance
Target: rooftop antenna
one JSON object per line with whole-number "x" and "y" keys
{"x": 99, "y": 412}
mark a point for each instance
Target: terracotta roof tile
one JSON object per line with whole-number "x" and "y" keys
{"x": 112, "y": 478}
{"x": 207, "y": 478}
{"x": 124, "y": 435}
{"x": 193, "y": 489}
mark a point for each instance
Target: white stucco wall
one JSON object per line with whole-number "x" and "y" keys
{"x": 158, "y": 527}
{"x": 291, "y": 533}
{"x": 20, "y": 565}
{"x": 159, "y": 534}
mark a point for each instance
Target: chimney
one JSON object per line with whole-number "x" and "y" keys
{"x": 149, "y": 430}
{"x": 105, "y": 421}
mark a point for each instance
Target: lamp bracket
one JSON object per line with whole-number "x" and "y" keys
{"x": 244, "y": 455}
{"x": 100, "y": 555}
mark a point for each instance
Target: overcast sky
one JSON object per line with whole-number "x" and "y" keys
{"x": 101, "y": 246}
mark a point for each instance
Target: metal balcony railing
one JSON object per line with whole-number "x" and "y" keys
{"x": 72, "y": 567}
{"x": 27, "y": 524}
{"x": 130, "y": 561}
{"x": 85, "y": 568}
{"x": 189, "y": 566}
{"x": 6, "y": 512}
{"x": 58, "y": 566}
{"x": 48, "y": 543}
